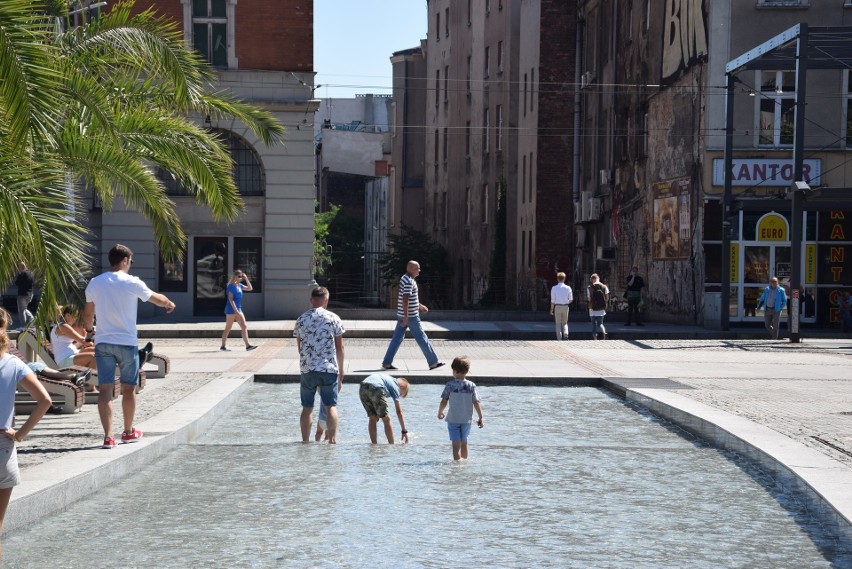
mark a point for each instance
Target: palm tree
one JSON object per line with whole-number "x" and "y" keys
{"x": 103, "y": 106}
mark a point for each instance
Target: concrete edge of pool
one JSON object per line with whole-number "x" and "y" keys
{"x": 55, "y": 485}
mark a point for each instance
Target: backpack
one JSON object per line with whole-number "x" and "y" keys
{"x": 598, "y": 297}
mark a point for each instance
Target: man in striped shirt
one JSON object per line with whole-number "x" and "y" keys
{"x": 408, "y": 311}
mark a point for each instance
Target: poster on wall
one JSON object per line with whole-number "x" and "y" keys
{"x": 672, "y": 224}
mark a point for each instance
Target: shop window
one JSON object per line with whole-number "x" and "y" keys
{"x": 173, "y": 274}
{"x": 712, "y": 263}
{"x": 248, "y": 257}
{"x": 776, "y": 108}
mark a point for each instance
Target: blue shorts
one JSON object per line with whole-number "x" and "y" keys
{"x": 327, "y": 383}
{"x": 458, "y": 431}
{"x": 108, "y": 356}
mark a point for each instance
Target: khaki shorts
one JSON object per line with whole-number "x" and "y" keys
{"x": 9, "y": 474}
{"x": 374, "y": 401}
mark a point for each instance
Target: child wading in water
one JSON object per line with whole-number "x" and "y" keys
{"x": 461, "y": 394}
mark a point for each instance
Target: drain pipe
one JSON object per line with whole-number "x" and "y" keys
{"x": 575, "y": 174}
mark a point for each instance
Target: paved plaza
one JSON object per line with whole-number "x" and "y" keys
{"x": 801, "y": 391}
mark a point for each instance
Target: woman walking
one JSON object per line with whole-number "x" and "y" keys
{"x": 234, "y": 308}
{"x": 14, "y": 372}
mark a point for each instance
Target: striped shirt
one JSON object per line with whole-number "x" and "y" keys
{"x": 407, "y": 285}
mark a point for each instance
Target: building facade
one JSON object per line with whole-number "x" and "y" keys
{"x": 498, "y": 145}
{"x": 262, "y": 52}
{"x": 654, "y": 125}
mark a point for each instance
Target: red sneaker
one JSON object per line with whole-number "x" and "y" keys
{"x": 131, "y": 437}
{"x": 109, "y": 442}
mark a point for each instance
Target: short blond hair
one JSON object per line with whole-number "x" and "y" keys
{"x": 560, "y": 276}
{"x": 403, "y": 386}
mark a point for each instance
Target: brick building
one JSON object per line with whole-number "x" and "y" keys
{"x": 498, "y": 144}
{"x": 262, "y": 52}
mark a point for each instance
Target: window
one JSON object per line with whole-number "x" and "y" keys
{"x": 487, "y": 67}
{"x": 467, "y": 138}
{"x": 525, "y": 95}
{"x": 848, "y": 108}
{"x": 248, "y": 257}
{"x": 523, "y": 249}
{"x": 499, "y": 127}
{"x": 173, "y": 274}
{"x": 483, "y": 204}
{"x": 468, "y": 12}
{"x": 524, "y": 180}
{"x": 499, "y": 57}
{"x": 447, "y": 22}
{"x": 530, "y": 182}
{"x": 485, "y": 132}
{"x": 212, "y": 30}
{"x": 437, "y": 145}
{"x": 532, "y": 88}
{"x": 438, "y": 26}
{"x": 445, "y": 145}
{"x": 487, "y": 6}
{"x": 529, "y": 250}
{"x": 468, "y": 75}
{"x": 444, "y": 209}
{"x": 247, "y": 172}
{"x": 437, "y": 86}
{"x": 776, "y": 103}
{"x": 467, "y": 206}
{"x": 446, "y": 82}
{"x": 783, "y": 3}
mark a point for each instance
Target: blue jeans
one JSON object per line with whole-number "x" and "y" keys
{"x": 107, "y": 356}
{"x": 419, "y": 335}
{"x": 597, "y": 325}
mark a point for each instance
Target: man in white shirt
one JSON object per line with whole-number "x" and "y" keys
{"x": 113, "y": 298}
{"x": 560, "y": 297}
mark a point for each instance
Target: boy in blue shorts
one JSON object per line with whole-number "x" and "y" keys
{"x": 461, "y": 395}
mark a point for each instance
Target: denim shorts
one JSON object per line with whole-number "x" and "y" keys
{"x": 458, "y": 431}
{"x": 327, "y": 383}
{"x": 108, "y": 356}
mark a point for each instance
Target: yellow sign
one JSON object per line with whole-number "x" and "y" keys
{"x": 810, "y": 263}
{"x": 772, "y": 227}
{"x": 735, "y": 263}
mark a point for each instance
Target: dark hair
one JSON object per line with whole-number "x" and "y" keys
{"x": 5, "y": 320}
{"x": 319, "y": 291}
{"x": 118, "y": 253}
{"x": 461, "y": 364}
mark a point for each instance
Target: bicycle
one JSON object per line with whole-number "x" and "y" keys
{"x": 616, "y": 304}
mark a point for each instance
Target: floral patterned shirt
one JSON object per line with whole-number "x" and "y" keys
{"x": 317, "y": 328}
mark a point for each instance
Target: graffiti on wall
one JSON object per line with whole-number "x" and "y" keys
{"x": 672, "y": 226}
{"x": 684, "y": 37}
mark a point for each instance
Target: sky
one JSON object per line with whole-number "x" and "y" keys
{"x": 354, "y": 40}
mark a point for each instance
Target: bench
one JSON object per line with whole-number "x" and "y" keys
{"x": 63, "y": 393}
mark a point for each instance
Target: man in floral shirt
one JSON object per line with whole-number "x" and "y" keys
{"x": 319, "y": 337}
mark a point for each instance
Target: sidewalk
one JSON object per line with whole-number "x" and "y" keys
{"x": 788, "y": 406}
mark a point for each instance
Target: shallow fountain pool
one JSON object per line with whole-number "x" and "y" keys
{"x": 559, "y": 477}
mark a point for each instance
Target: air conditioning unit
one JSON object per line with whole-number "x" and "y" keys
{"x": 586, "y": 198}
{"x": 586, "y": 79}
{"x": 595, "y": 209}
{"x": 606, "y": 253}
{"x": 603, "y": 176}
{"x": 578, "y": 213}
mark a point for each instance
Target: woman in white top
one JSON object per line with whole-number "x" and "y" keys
{"x": 70, "y": 347}
{"x": 14, "y": 372}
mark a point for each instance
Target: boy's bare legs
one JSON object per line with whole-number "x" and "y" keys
{"x": 388, "y": 428}
{"x": 318, "y": 434}
{"x": 372, "y": 429}
{"x": 463, "y": 450}
{"x": 457, "y": 450}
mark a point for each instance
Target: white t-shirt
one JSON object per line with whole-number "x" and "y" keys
{"x": 63, "y": 346}
{"x": 116, "y": 296}
{"x": 12, "y": 371}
